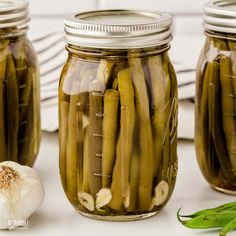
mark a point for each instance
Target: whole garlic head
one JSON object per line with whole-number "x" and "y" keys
{"x": 21, "y": 193}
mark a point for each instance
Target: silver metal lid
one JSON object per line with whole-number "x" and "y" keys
{"x": 118, "y": 29}
{"x": 13, "y": 13}
{"x": 220, "y": 16}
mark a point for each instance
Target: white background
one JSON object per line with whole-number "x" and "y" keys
{"x": 60, "y": 7}
{"x": 186, "y": 13}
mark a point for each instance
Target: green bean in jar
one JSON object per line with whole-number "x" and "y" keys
{"x": 19, "y": 87}
{"x": 215, "y": 137}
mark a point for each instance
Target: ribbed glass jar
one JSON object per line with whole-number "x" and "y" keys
{"x": 118, "y": 116}
{"x": 215, "y": 98}
{"x": 19, "y": 87}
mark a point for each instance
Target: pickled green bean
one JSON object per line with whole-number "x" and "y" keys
{"x": 127, "y": 119}
{"x": 228, "y": 110}
{"x": 72, "y": 149}
{"x": 19, "y": 99}
{"x": 95, "y": 141}
{"x": 160, "y": 94}
{"x": 145, "y": 133}
{"x": 110, "y": 119}
{"x": 64, "y": 109}
{"x": 3, "y": 65}
{"x": 85, "y": 185}
{"x": 134, "y": 181}
{"x": 12, "y": 108}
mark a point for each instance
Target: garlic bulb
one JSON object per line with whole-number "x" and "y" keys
{"x": 21, "y": 194}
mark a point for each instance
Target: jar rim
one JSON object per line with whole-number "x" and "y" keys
{"x": 14, "y": 13}
{"x": 114, "y": 54}
{"x": 220, "y": 16}
{"x": 129, "y": 29}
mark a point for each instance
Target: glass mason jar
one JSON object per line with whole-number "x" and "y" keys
{"x": 19, "y": 87}
{"x": 118, "y": 114}
{"x": 215, "y": 98}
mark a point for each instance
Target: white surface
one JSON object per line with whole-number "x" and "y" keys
{"x": 45, "y": 24}
{"x": 188, "y": 25}
{"x": 182, "y": 25}
{"x": 185, "y": 50}
{"x": 186, "y": 120}
{"x": 176, "y": 6}
{"x": 60, "y": 7}
{"x": 57, "y": 217}
{"x": 187, "y": 12}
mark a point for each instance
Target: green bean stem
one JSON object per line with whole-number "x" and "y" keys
{"x": 224, "y": 207}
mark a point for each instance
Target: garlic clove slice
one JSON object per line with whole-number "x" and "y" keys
{"x": 161, "y": 193}
{"x": 97, "y": 86}
{"x": 104, "y": 196}
{"x": 86, "y": 200}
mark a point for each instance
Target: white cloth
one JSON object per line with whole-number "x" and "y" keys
{"x": 52, "y": 56}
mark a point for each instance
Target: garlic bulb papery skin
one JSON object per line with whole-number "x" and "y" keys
{"x": 21, "y": 193}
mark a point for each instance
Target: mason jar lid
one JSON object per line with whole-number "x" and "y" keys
{"x": 118, "y": 29}
{"x": 13, "y": 13}
{"x": 220, "y": 16}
